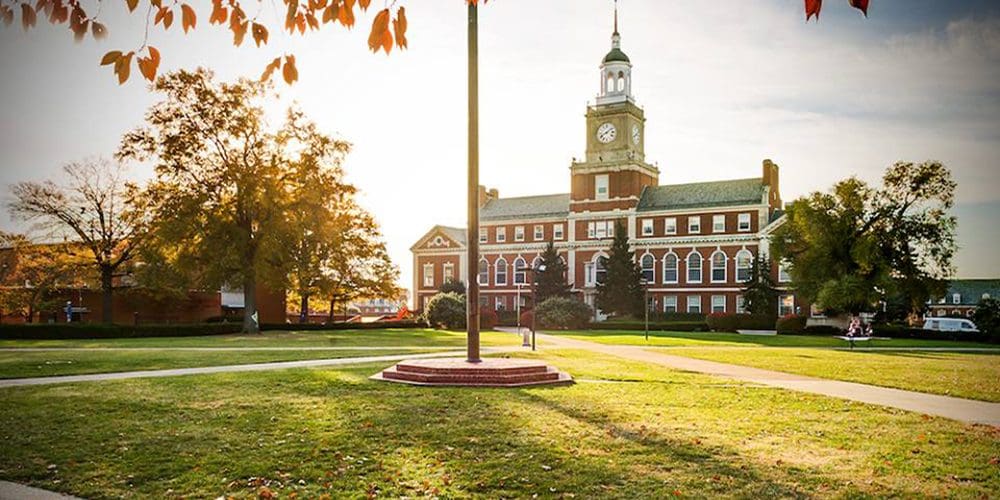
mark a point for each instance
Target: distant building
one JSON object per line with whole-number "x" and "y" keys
{"x": 694, "y": 242}
{"x": 963, "y": 296}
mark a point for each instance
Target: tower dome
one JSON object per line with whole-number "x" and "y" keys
{"x": 616, "y": 71}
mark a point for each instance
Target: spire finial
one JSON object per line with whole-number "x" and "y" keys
{"x": 616, "y": 17}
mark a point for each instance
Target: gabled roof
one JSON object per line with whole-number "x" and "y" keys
{"x": 550, "y": 205}
{"x": 455, "y": 234}
{"x": 971, "y": 290}
{"x": 702, "y": 195}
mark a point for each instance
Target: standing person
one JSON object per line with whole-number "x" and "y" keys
{"x": 69, "y": 311}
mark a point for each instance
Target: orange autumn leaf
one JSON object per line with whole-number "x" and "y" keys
{"x": 289, "y": 72}
{"x": 98, "y": 31}
{"x": 399, "y": 27}
{"x": 259, "y": 34}
{"x": 132, "y": 4}
{"x": 28, "y": 17}
{"x": 380, "y": 27}
{"x": 188, "y": 18}
{"x": 111, "y": 57}
{"x": 270, "y": 69}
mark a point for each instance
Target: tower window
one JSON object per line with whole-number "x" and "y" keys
{"x": 601, "y": 187}
{"x": 610, "y": 84}
{"x": 621, "y": 81}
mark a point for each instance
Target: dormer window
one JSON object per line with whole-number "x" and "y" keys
{"x": 956, "y": 298}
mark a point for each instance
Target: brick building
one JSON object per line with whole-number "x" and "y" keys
{"x": 694, "y": 242}
{"x": 963, "y": 296}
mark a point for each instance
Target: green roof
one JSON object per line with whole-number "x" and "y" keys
{"x": 550, "y": 205}
{"x": 616, "y": 55}
{"x": 702, "y": 195}
{"x": 971, "y": 291}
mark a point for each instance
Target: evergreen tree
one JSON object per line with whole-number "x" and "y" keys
{"x": 759, "y": 294}
{"x": 621, "y": 293}
{"x": 552, "y": 281}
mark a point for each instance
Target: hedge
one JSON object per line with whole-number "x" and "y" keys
{"x": 675, "y": 326}
{"x": 45, "y": 331}
{"x": 728, "y": 322}
{"x": 791, "y": 324}
{"x": 377, "y": 325}
{"x": 905, "y": 332}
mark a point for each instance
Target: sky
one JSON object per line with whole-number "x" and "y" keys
{"x": 724, "y": 85}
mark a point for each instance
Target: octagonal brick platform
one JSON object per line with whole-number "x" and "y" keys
{"x": 490, "y": 372}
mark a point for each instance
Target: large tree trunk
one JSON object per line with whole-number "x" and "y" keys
{"x": 304, "y": 308}
{"x": 106, "y": 294}
{"x": 250, "y": 304}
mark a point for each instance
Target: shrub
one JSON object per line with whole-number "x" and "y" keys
{"x": 487, "y": 318}
{"x": 526, "y": 318}
{"x": 722, "y": 322}
{"x": 507, "y": 318}
{"x": 791, "y": 324}
{"x": 671, "y": 326}
{"x": 40, "y": 331}
{"x": 905, "y": 332}
{"x": 446, "y": 310}
{"x": 375, "y": 325}
{"x": 987, "y": 318}
{"x": 563, "y": 313}
{"x": 822, "y": 330}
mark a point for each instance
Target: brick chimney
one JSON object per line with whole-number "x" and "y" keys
{"x": 769, "y": 177}
{"x": 485, "y": 195}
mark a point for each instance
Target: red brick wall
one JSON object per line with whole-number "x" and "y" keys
{"x": 732, "y": 223}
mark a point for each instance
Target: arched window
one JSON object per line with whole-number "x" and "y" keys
{"x": 610, "y": 84}
{"x": 621, "y": 81}
{"x": 520, "y": 272}
{"x": 718, "y": 267}
{"x": 484, "y": 272}
{"x": 500, "y": 274}
{"x": 537, "y": 261}
{"x": 694, "y": 267}
{"x": 647, "y": 268}
{"x": 600, "y": 272}
{"x": 670, "y": 268}
{"x": 744, "y": 260}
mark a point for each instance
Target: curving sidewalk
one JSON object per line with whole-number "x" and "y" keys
{"x": 964, "y": 410}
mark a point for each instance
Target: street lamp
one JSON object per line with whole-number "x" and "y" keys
{"x": 534, "y": 301}
{"x": 645, "y": 303}
{"x": 517, "y": 308}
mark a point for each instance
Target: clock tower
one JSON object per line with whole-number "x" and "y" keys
{"x": 615, "y": 171}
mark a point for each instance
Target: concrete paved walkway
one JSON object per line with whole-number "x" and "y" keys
{"x": 965, "y": 410}
{"x": 14, "y": 491}
{"x": 234, "y": 348}
{"x": 280, "y": 365}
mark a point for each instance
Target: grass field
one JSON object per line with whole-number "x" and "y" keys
{"x": 328, "y": 338}
{"x": 14, "y": 364}
{"x": 671, "y": 339}
{"x": 625, "y": 430}
{"x": 965, "y": 375}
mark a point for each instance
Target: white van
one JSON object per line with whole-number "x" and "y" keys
{"x": 950, "y": 325}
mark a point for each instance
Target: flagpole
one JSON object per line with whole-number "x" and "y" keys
{"x": 472, "y": 234}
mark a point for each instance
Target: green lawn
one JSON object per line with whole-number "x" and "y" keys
{"x": 327, "y": 338}
{"x": 17, "y": 364}
{"x": 734, "y": 339}
{"x": 626, "y": 430}
{"x": 966, "y": 375}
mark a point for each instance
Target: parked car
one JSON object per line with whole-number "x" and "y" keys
{"x": 950, "y": 325}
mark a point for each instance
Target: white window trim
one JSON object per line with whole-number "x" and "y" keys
{"x": 484, "y": 235}
{"x": 739, "y": 223}
{"x": 647, "y": 227}
{"x": 539, "y": 232}
{"x": 499, "y": 301}
{"x": 525, "y": 273}
{"x": 690, "y": 302}
{"x": 701, "y": 267}
{"x": 725, "y": 267}
{"x": 691, "y": 219}
{"x": 670, "y": 225}
{"x": 597, "y": 187}
{"x": 447, "y": 272}
{"x": 428, "y": 276}
{"x": 783, "y": 270}
{"x": 723, "y": 297}
{"x": 652, "y": 268}
{"x": 519, "y": 233}
{"x": 496, "y": 272}
{"x": 749, "y": 267}
{"x": 677, "y": 268}
{"x": 665, "y": 297}
{"x": 479, "y": 275}
{"x": 715, "y": 223}
{"x": 557, "y": 232}
{"x": 501, "y": 234}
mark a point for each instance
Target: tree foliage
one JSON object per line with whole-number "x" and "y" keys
{"x": 621, "y": 293}
{"x": 760, "y": 297}
{"x": 446, "y": 310}
{"x": 987, "y": 318}
{"x": 853, "y": 247}
{"x": 564, "y": 313}
{"x": 30, "y": 273}
{"x": 95, "y": 206}
{"x": 552, "y": 281}
{"x": 297, "y": 17}
{"x": 453, "y": 286}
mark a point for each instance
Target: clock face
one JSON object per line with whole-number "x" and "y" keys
{"x": 635, "y": 134}
{"x": 606, "y": 132}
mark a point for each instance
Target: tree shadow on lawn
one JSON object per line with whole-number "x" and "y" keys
{"x": 940, "y": 356}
